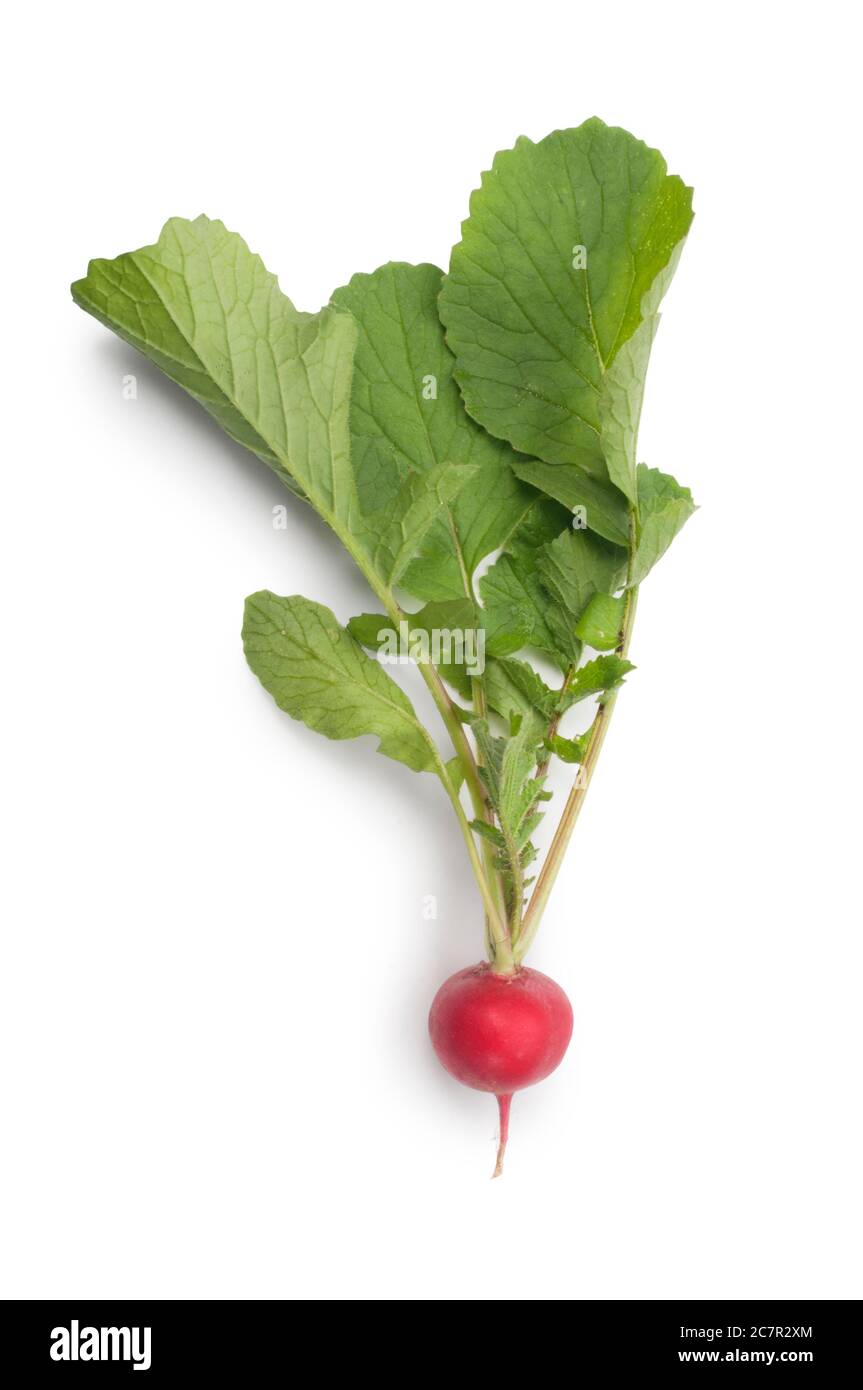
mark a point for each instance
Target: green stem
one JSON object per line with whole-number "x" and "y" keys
{"x": 575, "y": 801}
{"x": 497, "y": 931}
{"x": 554, "y": 722}
{"x": 488, "y": 855}
{"x": 454, "y": 728}
{"x": 514, "y": 857}
{"x": 499, "y": 938}
{"x": 497, "y": 947}
{"x": 445, "y": 706}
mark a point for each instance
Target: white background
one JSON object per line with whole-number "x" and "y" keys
{"x": 215, "y": 969}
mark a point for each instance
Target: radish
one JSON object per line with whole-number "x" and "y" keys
{"x": 471, "y": 440}
{"x": 500, "y": 1032}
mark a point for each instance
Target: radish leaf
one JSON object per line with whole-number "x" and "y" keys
{"x": 600, "y": 623}
{"x": 207, "y": 312}
{"x": 512, "y": 585}
{"x": 393, "y": 533}
{"x": 316, "y": 672}
{"x": 513, "y": 687}
{"x": 665, "y": 507}
{"x": 578, "y": 565}
{"x": 604, "y": 507}
{"x": 569, "y": 750}
{"x": 201, "y": 306}
{"x": 596, "y": 677}
{"x": 507, "y": 770}
{"x": 564, "y": 241}
{"x": 407, "y": 414}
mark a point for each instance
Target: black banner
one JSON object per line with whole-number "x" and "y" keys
{"x": 240, "y": 1341}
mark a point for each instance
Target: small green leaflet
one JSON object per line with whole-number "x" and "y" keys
{"x": 552, "y": 584}
{"x": 507, "y": 629}
{"x": 513, "y": 595}
{"x": 314, "y": 669}
{"x": 665, "y": 507}
{"x": 543, "y": 523}
{"x": 564, "y": 241}
{"x": 511, "y": 586}
{"x": 513, "y": 687}
{"x": 407, "y": 415}
{"x": 596, "y": 677}
{"x": 600, "y": 624}
{"x": 371, "y": 630}
{"x": 569, "y": 750}
{"x": 578, "y": 565}
{"x": 603, "y": 507}
{"x": 507, "y": 769}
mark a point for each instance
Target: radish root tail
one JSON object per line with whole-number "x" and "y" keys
{"x": 503, "y": 1104}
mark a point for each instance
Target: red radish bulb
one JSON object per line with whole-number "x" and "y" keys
{"x": 500, "y": 1033}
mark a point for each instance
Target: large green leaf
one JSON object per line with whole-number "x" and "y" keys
{"x": 407, "y": 414}
{"x": 205, "y": 310}
{"x": 564, "y": 241}
{"x": 316, "y": 671}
